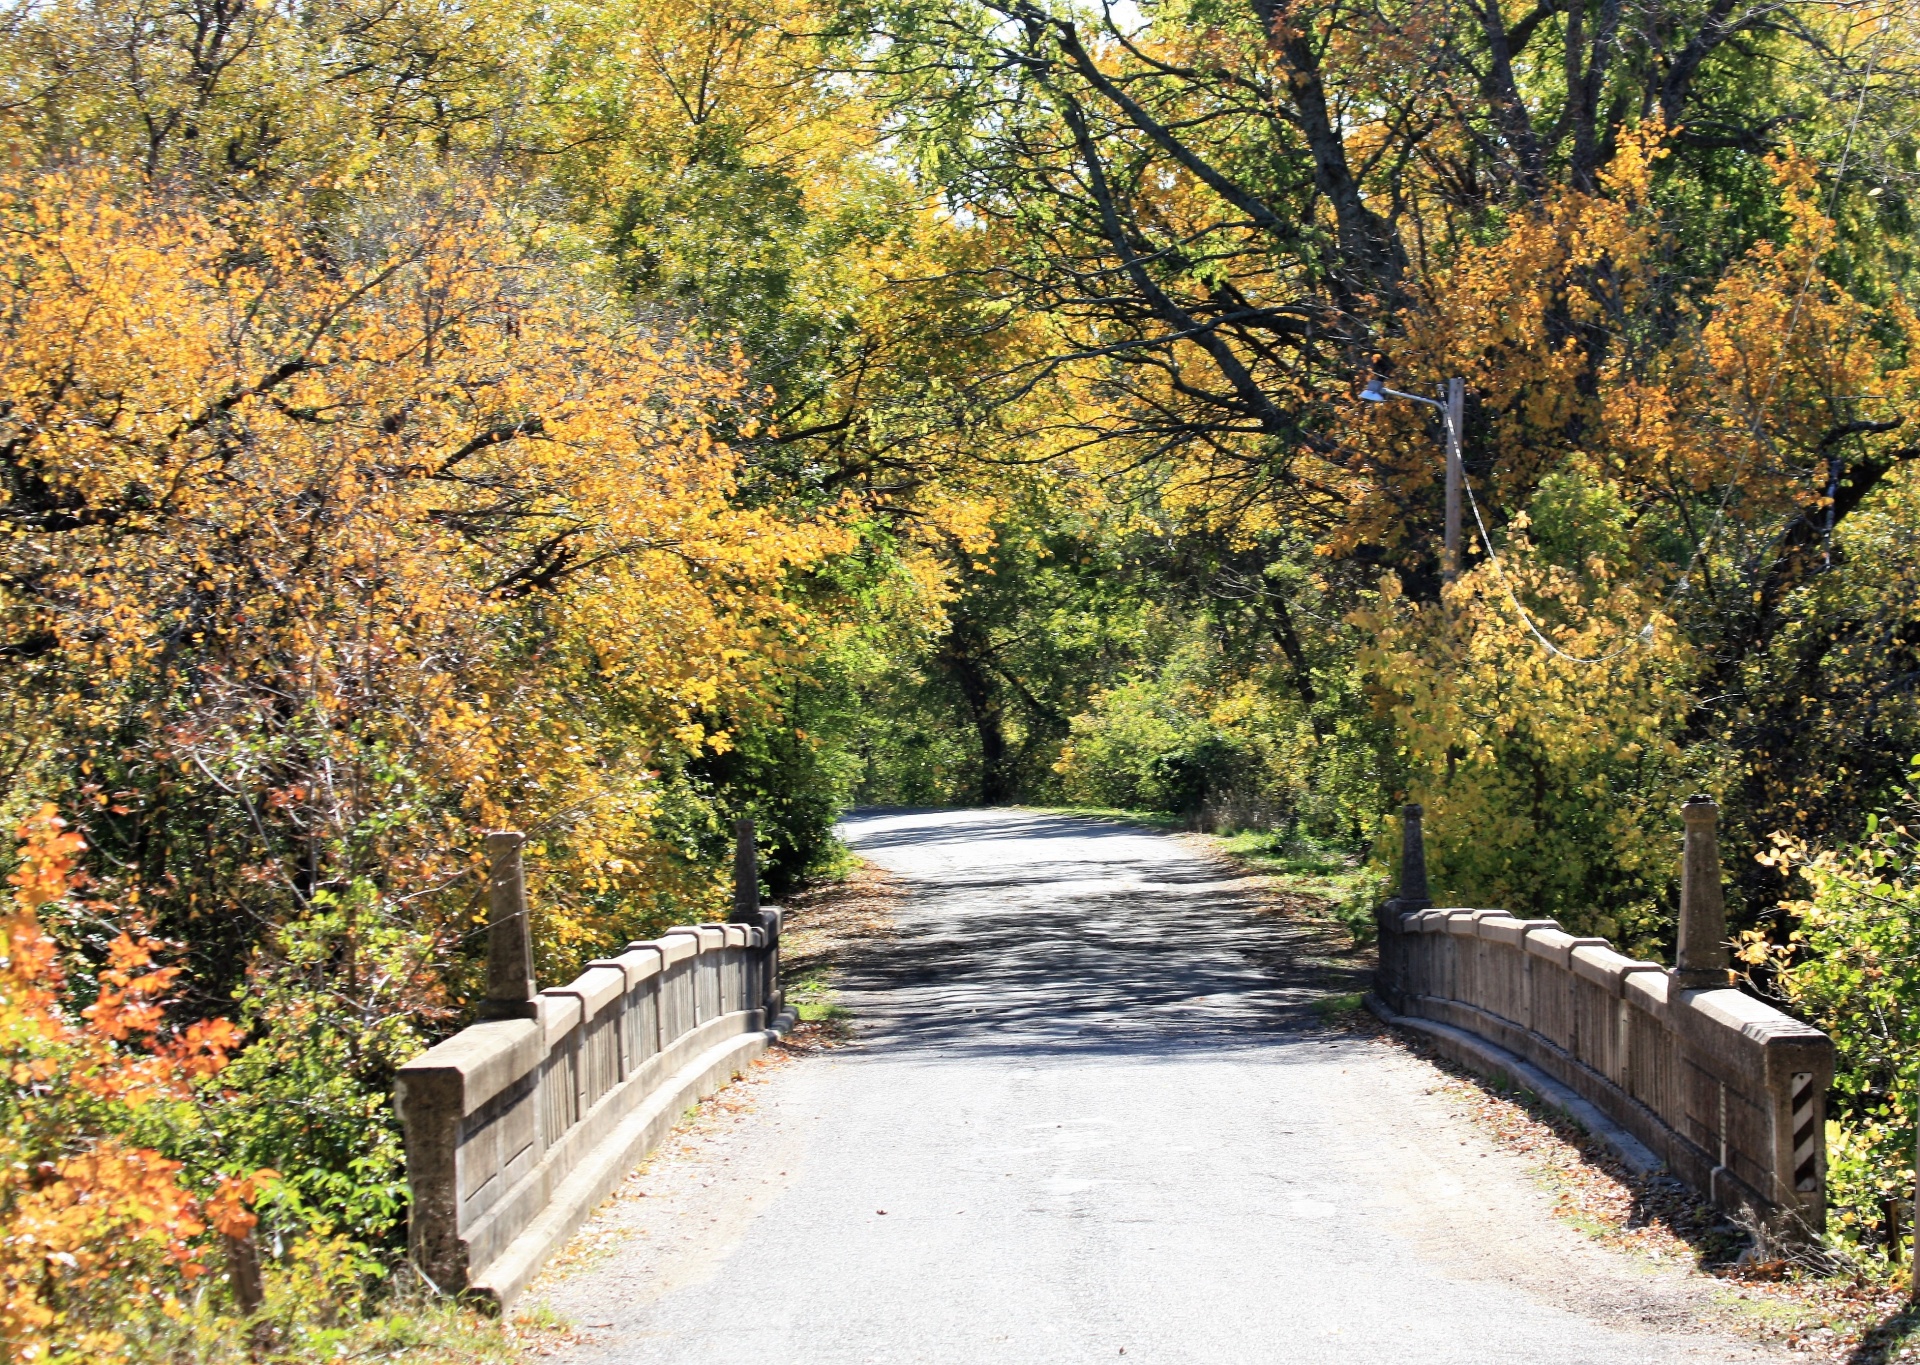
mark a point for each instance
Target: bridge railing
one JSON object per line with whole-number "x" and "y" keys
{"x": 1727, "y": 1091}
{"x": 519, "y": 1125}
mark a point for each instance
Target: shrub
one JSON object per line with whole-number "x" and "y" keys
{"x": 1850, "y": 963}
{"x": 108, "y": 1194}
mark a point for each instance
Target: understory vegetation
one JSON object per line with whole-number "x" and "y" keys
{"x": 608, "y": 420}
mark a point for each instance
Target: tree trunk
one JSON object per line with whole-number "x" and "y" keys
{"x": 964, "y": 656}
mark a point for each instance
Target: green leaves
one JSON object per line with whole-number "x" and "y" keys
{"x": 1851, "y": 964}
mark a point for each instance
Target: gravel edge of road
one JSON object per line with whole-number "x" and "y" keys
{"x": 828, "y": 924}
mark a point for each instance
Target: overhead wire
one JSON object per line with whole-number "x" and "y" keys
{"x": 1645, "y": 635}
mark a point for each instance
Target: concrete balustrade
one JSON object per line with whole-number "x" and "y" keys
{"x": 518, "y": 1126}
{"x": 1723, "y": 1089}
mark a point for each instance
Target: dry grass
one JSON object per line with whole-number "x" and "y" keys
{"x": 826, "y": 923}
{"x": 826, "y": 927}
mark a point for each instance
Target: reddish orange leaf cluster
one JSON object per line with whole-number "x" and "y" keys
{"x": 91, "y": 1216}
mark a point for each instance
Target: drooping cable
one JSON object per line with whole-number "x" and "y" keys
{"x": 1645, "y": 635}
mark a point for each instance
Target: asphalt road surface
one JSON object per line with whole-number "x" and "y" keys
{"x": 1091, "y": 1115}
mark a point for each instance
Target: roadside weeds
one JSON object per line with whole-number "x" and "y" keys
{"x": 826, "y": 927}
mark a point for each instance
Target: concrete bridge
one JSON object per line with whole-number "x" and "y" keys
{"x": 1091, "y": 1113}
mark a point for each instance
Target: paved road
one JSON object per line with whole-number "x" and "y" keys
{"x": 1091, "y": 1116}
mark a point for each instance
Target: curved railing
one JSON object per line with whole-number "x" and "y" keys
{"x": 519, "y": 1125}
{"x": 1725, "y": 1090}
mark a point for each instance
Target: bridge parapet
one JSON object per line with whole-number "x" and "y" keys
{"x": 1725, "y": 1090}
{"x": 517, "y": 1127}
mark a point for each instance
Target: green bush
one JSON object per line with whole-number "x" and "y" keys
{"x": 1851, "y": 965}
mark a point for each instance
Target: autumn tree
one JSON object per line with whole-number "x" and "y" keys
{"x": 326, "y": 557}
{"x": 1227, "y": 217}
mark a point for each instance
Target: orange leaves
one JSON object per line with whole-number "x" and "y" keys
{"x": 1515, "y": 315}
{"x": 413, "y": 482}
{"x": 1584, "y": 351}
{"x": 227, "y": 1207}
{"x": 1648, "y": 448}
{"x": 47, "y": 852}
{"x": 1787, "y": 355}
{"x": 31, "y": 973}
{"x": 203, "y": 1047}
{"x": 96, "y": 1227}
{"x": 129, "y": 998}
{"x": 85, "y": 1231}
{"x": 131, "y": 988}
{"x": 341, "y": 530}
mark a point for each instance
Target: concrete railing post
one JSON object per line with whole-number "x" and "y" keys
{"x": 1392, "y": 976}
{"x": 1413, "y": 861}
{"x": 772, "y": 997}
{"x": 510, "y": 989}
{"x": 1701, "y": 961}
{"x": 746, "y": 873}
{"x": 748, "y": 910}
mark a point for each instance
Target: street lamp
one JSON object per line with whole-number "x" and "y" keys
{"x": 1453, "y": 408}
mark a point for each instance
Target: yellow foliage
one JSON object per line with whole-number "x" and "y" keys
{"x": 413, "y": 489}
{"x": 1531, "y": 762}
{"x": 1538, "y": 774}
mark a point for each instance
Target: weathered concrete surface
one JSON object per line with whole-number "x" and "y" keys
{"x": 517, "y": 1129}
{"x": 1724, "y": 1090}
{"x": 1100, "y": 1120}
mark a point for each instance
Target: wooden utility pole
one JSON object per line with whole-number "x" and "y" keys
{"x": 1453, "y": 408}
{"x": 1456, "y": 473}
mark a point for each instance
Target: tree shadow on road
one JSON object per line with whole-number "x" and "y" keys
{"x": 1088, "y": 938}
